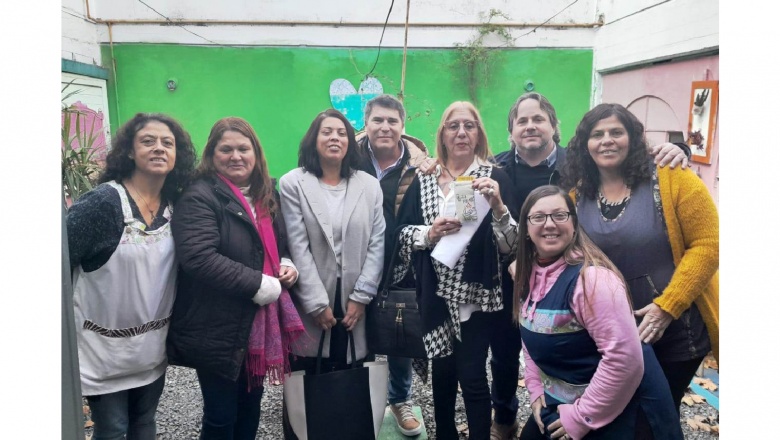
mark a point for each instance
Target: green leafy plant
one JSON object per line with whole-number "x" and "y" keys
{"x": 475, "y": 59}
{"x": 80, "y": 168}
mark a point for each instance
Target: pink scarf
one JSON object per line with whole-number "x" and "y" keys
{"x": 276, "y": 325}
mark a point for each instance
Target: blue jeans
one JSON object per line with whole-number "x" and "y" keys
{"x": 230, "y": 410}
{"x": 399, "y": 382}
{"x": 127, "y": 412}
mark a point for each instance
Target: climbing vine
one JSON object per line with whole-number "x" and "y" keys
{"x": 475, "y": 59}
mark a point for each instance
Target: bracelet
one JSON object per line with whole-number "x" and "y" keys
{"x": 428, "y": 241}
{"x": 498, "y": 220}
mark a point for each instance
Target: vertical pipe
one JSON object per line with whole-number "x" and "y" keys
{"x": 113, "y": 67}
{"x": 403, "y": 64}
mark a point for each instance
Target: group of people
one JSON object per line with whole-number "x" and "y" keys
{"x": 596, "y": 260}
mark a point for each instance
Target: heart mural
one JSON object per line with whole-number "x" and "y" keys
{"x": 350, "y": 102}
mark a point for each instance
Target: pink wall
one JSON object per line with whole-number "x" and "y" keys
{"x": 669, "y": 88}
{"x": 91, "y": 125}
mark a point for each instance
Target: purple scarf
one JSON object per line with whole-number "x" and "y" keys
{"x": 276, "y": 325}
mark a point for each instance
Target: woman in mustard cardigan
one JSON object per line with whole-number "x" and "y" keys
{"x": 660, "y": 228}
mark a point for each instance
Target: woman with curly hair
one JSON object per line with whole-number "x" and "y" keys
{"x": 660, "y": 228}
{"x": 124, "y": 275}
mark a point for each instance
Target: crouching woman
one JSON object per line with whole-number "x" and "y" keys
{"x": 588, "y": 374}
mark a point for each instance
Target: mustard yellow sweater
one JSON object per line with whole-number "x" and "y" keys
{"x": 692, "y": 223}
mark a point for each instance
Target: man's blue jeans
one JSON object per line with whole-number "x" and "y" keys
{"x": 127, "y": 412}
{"x": 399, "y": 383}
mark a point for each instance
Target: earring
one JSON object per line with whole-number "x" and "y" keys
{"x": 527, "y": 237}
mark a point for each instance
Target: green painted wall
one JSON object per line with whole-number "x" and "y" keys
{"x": 280, "y": 90}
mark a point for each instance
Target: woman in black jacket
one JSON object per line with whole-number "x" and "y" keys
{"x": 233, "y": 320}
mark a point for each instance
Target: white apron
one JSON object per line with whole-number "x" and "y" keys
{"x": 123, "y": 309}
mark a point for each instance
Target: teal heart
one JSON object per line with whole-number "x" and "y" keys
{"x": 350, "y": 102}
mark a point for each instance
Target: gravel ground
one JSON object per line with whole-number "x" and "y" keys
{"x": 179, "y": 413}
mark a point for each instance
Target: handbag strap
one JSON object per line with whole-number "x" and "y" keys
{"x": 350, "y": 342}
{"x": 393, "y": 257}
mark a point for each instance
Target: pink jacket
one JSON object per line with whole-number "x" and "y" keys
{"x": 609, "y": 320}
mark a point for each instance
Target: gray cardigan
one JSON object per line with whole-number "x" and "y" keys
{"x": 310, "y": 241}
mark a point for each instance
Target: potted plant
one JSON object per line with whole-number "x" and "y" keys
{"x": 80, "y": 161}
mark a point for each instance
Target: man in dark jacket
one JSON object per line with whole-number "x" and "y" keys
{"x": 534, "y": 159}
{"x": 393, "y": 158}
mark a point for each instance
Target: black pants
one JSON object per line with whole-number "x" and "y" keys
{"x": 505, "y": 348}
{"x": 230, "y": 411}
{"x": 679, "y": 375}
{"x": 465, "y": 366}
{"x": 338, "y": 333}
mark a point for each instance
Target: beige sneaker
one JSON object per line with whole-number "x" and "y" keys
{"x": 405, "y": 419}
{"x": 503, "y": 432}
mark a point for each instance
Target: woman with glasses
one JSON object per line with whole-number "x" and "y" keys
{"x": 457, "y": 264}
{"x": 660, "y": 228}
{"x": 587, "y": 372}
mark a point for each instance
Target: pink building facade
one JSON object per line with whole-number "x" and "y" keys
{"x": 660, "y": 96}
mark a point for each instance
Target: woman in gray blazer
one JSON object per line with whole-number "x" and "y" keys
{"x": 335, "y": 231}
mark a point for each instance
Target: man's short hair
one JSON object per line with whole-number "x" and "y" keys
{"x": 545, "y": 105}
{"x": 386, "y": 101}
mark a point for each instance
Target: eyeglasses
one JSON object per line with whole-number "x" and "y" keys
{"x": 454, "y": 126}
{"x": 557, "y": 217}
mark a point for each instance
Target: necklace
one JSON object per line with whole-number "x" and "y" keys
{"x": 152, "y": 213}
{"x": 451, "y": 176}
{"x": 445, "y": 185}
{"x": 611, "y": 211}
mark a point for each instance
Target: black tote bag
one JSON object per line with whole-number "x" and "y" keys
{"x": 346, "y": 404}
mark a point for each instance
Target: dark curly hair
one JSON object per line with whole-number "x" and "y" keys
{"x": 119, "y": 165}
{"x": 309, "y": 158}
{"x": 260, "y": 186}
{"x": 580, "y": 170}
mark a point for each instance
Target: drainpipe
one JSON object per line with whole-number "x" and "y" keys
{"x": 403, "y": 63}
{"x": 113, "y": 67}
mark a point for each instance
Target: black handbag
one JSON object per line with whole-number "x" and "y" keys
{"x": 393, "y": 321}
